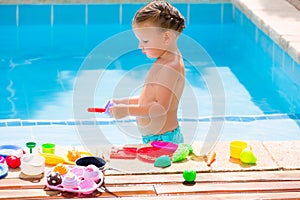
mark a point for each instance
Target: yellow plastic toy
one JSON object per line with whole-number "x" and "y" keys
{"x": 247, "y": 156}
{"x": 236, "y": 147}
{"x": 61, "y": 169}
{"x": 52, "y": 159}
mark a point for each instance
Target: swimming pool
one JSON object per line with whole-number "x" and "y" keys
{"x": 55, "y": 64}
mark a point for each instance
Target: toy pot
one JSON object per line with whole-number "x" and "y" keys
{"x": 32, "y": 164}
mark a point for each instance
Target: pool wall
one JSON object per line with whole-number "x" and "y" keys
{"x": 53, "y": 14}
{"x": 283, "y": 66}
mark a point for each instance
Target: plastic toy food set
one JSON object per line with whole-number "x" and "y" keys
{"x": 147, "y": 154}
{"x": 78, "y": 179}
{"x": 151, "y": 153}
{"x": 71, "y": 157}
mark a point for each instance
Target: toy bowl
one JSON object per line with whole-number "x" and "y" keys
{"x": 32, "y": 164}
{"x": 5, "y": 150}
{"x": 236, "y": 147}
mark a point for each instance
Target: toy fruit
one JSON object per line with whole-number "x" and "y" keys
{"x": 181, "y": 152}
{"x": 61, "y": 169}
{"x": 189, "y": 175}
{"x": 162, "y": 161}
{"x": 247, "y": 156}
{"x": 211, "y": 157}
{"x": 13, "y": 161}
{"x": 73, "y": 155}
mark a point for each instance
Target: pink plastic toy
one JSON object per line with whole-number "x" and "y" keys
{"x": 165, "y": 145}
{"x": 77, "y": 182}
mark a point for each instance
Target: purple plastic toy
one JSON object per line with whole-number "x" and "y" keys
{"x": 107, "y": 106}
{"x": 102, "y": 110}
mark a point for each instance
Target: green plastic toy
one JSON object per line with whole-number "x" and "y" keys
{"x": 247, "y": 156}
{"x": 162, "y": 161}
{"x": 182, "y": 152}
{"x": 189, "y": 175}
{"x": 30, "y": 145}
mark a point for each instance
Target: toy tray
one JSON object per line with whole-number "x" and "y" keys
{"x": 84, "y": 186}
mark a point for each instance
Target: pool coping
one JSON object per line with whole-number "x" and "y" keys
{"x": 271, "y": 156}
{"x": 110, "y": 121}
{"x": 279, "y": 19}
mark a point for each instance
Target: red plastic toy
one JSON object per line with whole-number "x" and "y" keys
{"x": 101, "y": 110}
{"x": 13, "y": 161}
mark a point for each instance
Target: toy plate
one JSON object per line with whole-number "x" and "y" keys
{"x": 84, "y": 186}
{"x": 5, "y": 150}
{"x": 150, "y": 154}
{"x": 3, "y": 170}
{"x": 165, "y": 145}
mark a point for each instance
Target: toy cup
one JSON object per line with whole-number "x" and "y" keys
{"x": 236, "y": 147}
{"x": 48, "y": 148}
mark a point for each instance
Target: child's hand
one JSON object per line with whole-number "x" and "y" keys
{"x": 119, "y": 111}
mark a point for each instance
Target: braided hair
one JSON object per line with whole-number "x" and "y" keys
{"x": 162, "y": 14}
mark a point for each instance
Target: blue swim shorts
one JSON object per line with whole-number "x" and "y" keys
{"x": 174, "y": 136}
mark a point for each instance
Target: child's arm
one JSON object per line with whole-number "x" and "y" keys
{"x": 122, "y": 110}
{"x": 126, "y": 101}
{"x": 165, "y": 90}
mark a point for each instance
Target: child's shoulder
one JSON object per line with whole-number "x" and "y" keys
{"x": 170, "y": 62}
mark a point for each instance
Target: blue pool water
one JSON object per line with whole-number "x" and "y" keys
{"x": 44, "y": 62}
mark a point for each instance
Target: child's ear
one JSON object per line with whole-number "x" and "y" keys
{"x": 167, "y": 37}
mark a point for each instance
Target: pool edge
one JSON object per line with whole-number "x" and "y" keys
{"x": 282, "y": 33}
